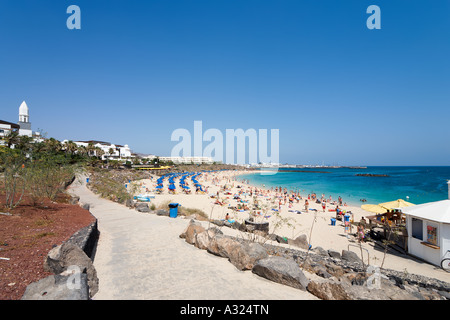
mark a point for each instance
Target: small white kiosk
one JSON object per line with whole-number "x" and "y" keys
{"x": 428, "y": 228}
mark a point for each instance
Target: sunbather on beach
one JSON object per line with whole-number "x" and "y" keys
{"x": 229, "y": 218}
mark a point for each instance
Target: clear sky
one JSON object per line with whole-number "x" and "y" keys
{"x": 338, "y": 92}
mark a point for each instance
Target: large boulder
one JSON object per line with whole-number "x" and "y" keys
{"x": 85, "y": 206}
{"x": 129, "y": 203}
{"x": 142, "y": 207}
{"x": 68, "y": 255}
{"x": 301, "y": 242}
{"x": 191, "y": 231}
{"x": 59, "y": 287}
{"x": 350, "y": 256}
{"x": 74, "y": 199}
{"x": 162, "y": 212}
{"x": 202, "y": 239}
{"x": 253, "y": 252}
{"x": 213, "y": 245}
{"x": 224, "y": 246}
{"x": 317, "y": 268}
{"x": 281, "y": 270}
{"x": 320, "y": 251}
{"x": 244, "y": 256}
{"x": 334, "y": 254}
{"x": 328, "y": 290}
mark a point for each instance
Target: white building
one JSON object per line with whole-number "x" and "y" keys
{"x": 110, "y": 151}
{"x": 428, "y": 228}
{"x": 188, "y": 160}
{"x": 23, "y": 126}
{"x": 6, "y": 128}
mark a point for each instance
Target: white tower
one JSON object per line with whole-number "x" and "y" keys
{"x": 24, "y": 113}
{"x": 24, "y": 120}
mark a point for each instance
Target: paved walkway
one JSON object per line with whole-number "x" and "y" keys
{"x": 140, "y": 256}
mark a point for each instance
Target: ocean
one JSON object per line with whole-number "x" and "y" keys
{"x": 413, "y": 184}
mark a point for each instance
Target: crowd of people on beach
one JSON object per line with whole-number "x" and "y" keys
{"x": 284, "y": 197}
{"x": 280, "y": 197}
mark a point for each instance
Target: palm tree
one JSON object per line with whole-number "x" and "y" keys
{"x": 38, "y": 147}
{"x": 82, "y": 150}
{"x": 99, "y": 152}
{"x": 90, "y": 149}
{"x": 52, "y": 145}
{"x": 70, "y": 147}
{"x": 24, "y": 144}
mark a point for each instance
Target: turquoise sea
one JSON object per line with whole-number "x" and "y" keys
{"x": 413, "y": 184}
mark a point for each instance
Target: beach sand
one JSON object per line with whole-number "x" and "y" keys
{"x": 316, "y": 225}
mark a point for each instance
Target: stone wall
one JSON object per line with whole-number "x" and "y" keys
{"x": 75, "y": 277}
{"x": 332, "y": 275}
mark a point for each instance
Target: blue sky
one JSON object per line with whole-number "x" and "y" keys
{"x": 137, "y": 70}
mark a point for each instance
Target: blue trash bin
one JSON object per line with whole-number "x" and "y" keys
{"x": 87, "y": 180}
{"x": 333, "y": 221}
{"x": 173, "y": 210}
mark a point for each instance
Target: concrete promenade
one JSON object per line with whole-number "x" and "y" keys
{"x": 141, "y": 257}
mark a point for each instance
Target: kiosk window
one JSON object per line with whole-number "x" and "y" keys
{"x": 417, "y": 229}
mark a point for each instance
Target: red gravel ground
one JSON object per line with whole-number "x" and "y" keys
{"x": 28, "y": 234}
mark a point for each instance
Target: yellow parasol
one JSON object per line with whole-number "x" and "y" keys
{"x": 396, "y": 204}
{"x": 374, "y": 208}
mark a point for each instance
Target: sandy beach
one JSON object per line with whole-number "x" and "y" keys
{"x": 291, "y": 220}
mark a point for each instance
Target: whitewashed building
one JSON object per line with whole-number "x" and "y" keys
{"x": 5, "y": 129}
{"x": 188, "y": 160}
{"x": 110, "y": 151}
{"x": 23, "y": 126}
{"x": 428, "y": 228}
